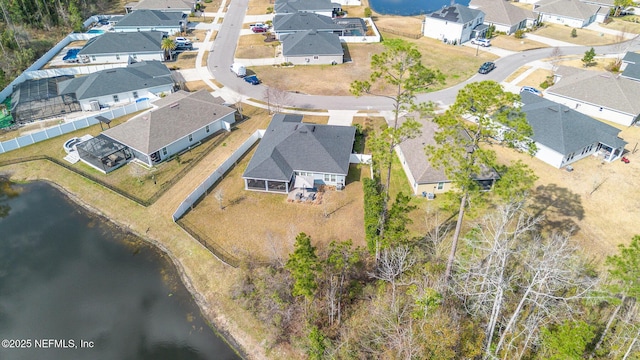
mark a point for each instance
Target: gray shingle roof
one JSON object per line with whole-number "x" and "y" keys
{"x": 152, "y": 131}
{"x": 456, "y": 13}
{"x": 632, "y": 68}
{"x": 123, "y": 43}
{"x": 502, "y": 12}
{"x": 311, "y": 42}
{"x": 290, "y": 145}
{"x": 292, "y": 6}
{"x": 136, "y": 76}
{"x": 151, "y": 18}
{"x": 178, "y": 5}
{"x": 565, "y": 130}
{"x": 304, "y": 21}
{"x": 567, "y": 8}
{"x": 599, "y": 88}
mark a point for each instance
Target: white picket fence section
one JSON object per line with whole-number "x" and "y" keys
{"x": 67, "y": 127}
{"x": 217, "y": 174}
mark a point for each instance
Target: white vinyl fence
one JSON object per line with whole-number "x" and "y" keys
{"x": 216, "y": 175}
{"x": 32, "y": 138}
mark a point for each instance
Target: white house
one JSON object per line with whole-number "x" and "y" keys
{"x": 169, "y": 22}
{"x": 182, "y": 122}
{"x": 564, "y": 136}
{"x": 454, "y": 24}
{"x": 573, "y": 13}
{"x": 291, "y": 148}
{"x": 598, "y": 94}
{"x": 119, "y": 86}
{"x": 123, "y": 47}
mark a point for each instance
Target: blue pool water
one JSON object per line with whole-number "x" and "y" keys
{"x": 95, "y": 31}
{"x": 410, "y": 7}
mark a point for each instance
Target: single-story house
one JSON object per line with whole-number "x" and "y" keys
{"x": 303, "y": 22}
{"x": 503, "y": 15}
{"x": 422, "y": 177}
{"x": 123, "y": 47}
{"x": 598, "y": 94}
{"x": 312, "y": 48}
{"x": 169, "y": 22}
{"x": 563, "y": 135}
{"x": 454, "y": 24}
{"x": 117, "y": 86}
{"x": 573, "y": 13}
{"x": 320, "y": 7}
{"x": 185, "y": 6}
{"x": 155, "y": 136}
{"x": 291, "y": 148}
{"x": 631, "y": 66}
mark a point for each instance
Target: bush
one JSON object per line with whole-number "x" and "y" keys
{"x": 519, "y": 34}
{"x": 208, "y": 1}
{"x": 574, "y": 33}
{"x": 269, "y": 10}
{"x": 367, "y": 12}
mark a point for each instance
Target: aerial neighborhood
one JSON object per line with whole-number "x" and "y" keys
{"x": 352, "y": 180}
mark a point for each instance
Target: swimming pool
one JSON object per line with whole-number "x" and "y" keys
{"x": 95, "y": 31}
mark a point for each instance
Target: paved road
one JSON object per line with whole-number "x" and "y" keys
{"x": 221, "y": 57}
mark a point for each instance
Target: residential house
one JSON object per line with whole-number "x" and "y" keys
{"x": 563, "y": 135}
{"x": 123, "y": 47}
{"x": 454, "y": 24}
{"x": 291, "y": 148}
{"x": 303, "y": 22}
{"x": 185, "y": 6}
{"x": 631, "y": 66}
{"x": 503, "y": 15}
{"x": 598, "y": 94}
{"x": 111, "y": 87}
{"x": 182, "y": 122}
{"x": 169, "y": 22}
{"x": 573, "y": 13}
{"x": 320, "y": 7}
{"x": 312, "y": 48}
{"x": 423, "y": 178}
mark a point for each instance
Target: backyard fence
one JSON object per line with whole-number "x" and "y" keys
{"x": 67, "y": 127}
{"x": 401, "y": 33}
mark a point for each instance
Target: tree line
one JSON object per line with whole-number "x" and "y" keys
{"x": 501, "y": 284}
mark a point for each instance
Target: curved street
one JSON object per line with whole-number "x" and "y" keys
{"x": 224, "y": 47}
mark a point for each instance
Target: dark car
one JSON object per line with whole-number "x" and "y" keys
{"x": 253, "y": 80}
{"x": 184, "y": 46}
{"x": 486, "y": 67}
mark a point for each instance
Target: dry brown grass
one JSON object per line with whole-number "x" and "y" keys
{"x": 585, "y": 37}
{"x": 535, "y": 78}
{"x": 261, "y": 226}
{"x": 513, "y": 44}
{"x": 213, "y": 6}
{"x": 517, "y": 73}
{"x": 316, "y": 119}
{"x": 205, "y": 57}
{"x": 259, "y": 7}
{"x": 598, "y": 64}
{"x": 197, "y": 35}
{"x": 605, "y": 194}
{"x": 183, "y": 60}
{"x": 407, "y": 24}
{"x": 626, "y": 24}
{"x": 254, "y": 47}
{"x": 192, "y": 86}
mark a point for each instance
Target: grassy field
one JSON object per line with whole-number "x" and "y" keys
{"x": 517, "y": 73}
{"x": 535, "y": 78}
{"x": 254, "y": 46}
{"x": 628, "y": 24}
{"x": 585, "y": 37}
{"x": 259, "y": 7}
{"x": 509, "y": 42}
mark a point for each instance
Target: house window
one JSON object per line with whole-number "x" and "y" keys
{"x": 315, "y": 57}
{"x": 93, "y": 58}
{"x": 117, "y": 56}
{"x": 440, "y": 185}
{"x": 206, "y": 128}
{"x": 135, "y": 56}
{"x": 164, "y": 151}
{"x": 190, "y": 137}
{"x": 115, "y": 98}
{"x": 135, "y": 94}
{"x": 327, "y": 177}
{"x": 333, "y": 178}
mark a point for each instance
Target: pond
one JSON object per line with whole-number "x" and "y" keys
{"x": 410, "y": 7}
{"x": 73, "y": 286}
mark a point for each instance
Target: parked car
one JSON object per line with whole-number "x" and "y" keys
{"x": 258, "y": 30}
{"x": 532, "y": 90}
{"x": 259, "y": 25}
{"x": 238, "y": 69}
{"x": 481, "y": 42}
{"x": 253, "y": 80}
{"x": 486, "y": 67}
{"x": 182, "y": 41}
{"x": 184, "y": 46}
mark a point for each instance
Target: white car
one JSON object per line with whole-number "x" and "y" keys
{"x": 182, "y": 41}
{"x": 259, "y": 25}
{"x": 481, "y": 42}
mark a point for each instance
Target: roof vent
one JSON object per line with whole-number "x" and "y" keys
{"x": 313, "y": 128}
{"x": 303, "y": 131}
{"x": 296, "y": 127}
{"x": 174, "y": 105}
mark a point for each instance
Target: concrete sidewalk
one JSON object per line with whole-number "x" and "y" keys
{"x": 341, "y": 117}
{"x": 548, "y": 41}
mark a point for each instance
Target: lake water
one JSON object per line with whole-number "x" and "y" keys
{"x": 79, "y": 288}
{"x": 410, "y": 7}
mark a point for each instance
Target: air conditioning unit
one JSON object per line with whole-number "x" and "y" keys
{"x": 94, "y": 105}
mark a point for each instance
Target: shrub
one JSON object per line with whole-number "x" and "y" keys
{"x": 367, "y": 12}
{"x": 519, "y": 34}
{"x": 208, "y": 1}
{"x": 270, "y": 10}
{"x": 574, "y": 33}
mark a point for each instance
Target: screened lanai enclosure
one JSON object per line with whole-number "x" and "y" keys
{"x": 103, "y": 153}
{"x": 39, "y": 99}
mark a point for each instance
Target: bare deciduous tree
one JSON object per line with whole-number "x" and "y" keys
{"x": 392, "y": 264}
